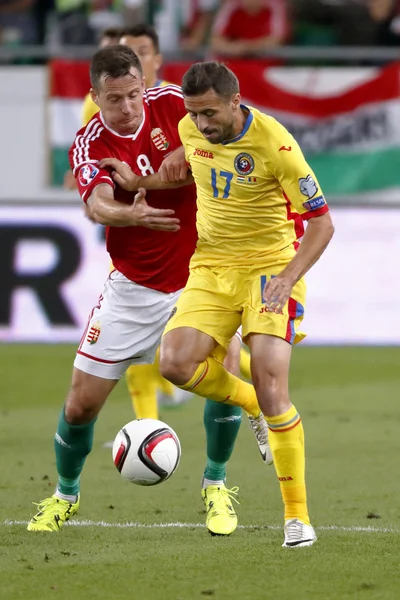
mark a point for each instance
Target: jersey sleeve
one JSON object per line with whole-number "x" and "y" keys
{"x": 168, "y": 100}
{"x": 89, "y": 109}
{"x": 84, "y": 156}
{"x": 299, "y": 184}
{"x": 184, "y": 130}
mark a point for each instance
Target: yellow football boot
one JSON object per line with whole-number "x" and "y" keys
{"x": 53, "y": 513}
{"x": 221, "y": 518}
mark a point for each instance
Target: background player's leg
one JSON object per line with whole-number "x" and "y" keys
{"x": 142, "y": 385}
{"x": 245, "y": 369}
{"x": 164, "y": 385}
{"x": 270, "y": 359}
{"x": 222, "y": 424}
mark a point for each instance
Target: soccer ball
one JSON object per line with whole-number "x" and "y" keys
{"x": 146, "y": 451}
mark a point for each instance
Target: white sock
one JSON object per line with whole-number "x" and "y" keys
{"x": 71, "y": 499}
{"x": 207, "y": 482}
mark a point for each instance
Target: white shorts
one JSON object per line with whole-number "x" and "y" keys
{"x": 124, "y": 328}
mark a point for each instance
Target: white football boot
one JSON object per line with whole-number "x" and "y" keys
{"x": 260, "y": 429}
{"x": 298, "y": 534}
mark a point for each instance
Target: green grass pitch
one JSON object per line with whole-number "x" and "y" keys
{"x": 348, "y": 399}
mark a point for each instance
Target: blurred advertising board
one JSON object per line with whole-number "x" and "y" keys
{"x": 54, "y": 264}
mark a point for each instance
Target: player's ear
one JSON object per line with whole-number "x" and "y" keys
{"x": 94, "y": 96}
{"x": 236, "y": 101}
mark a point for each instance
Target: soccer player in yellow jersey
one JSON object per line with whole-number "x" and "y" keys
{"x": 144, "y": 381}
{"x": 254, "y": 190}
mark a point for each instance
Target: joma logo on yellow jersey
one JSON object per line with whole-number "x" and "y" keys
{"x": 203, "y": 153}
{"x": 265, "y": 309}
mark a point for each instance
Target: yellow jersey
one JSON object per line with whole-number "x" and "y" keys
{"x": 89, "y": 108}
{"x": 253, "y": 193}
{"x": 161, "y": 83}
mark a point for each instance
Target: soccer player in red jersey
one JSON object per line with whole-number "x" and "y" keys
{"x": 150, "y": 242}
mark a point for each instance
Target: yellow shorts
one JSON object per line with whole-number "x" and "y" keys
{"x": 217, "y": 300}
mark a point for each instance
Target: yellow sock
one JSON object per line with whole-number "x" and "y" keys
{"x": 163, "y": 384}
{"x": 245, "y": 364}
{"x": 286, "y": 438}
{"x": 142, "y": 385}
{"x": 212, "y": 380}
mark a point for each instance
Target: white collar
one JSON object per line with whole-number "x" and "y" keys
{"x": 131, "y": 136}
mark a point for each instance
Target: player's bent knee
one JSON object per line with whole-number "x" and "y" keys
{"x": 176, "y": 372}
{"x": 175, "y": 367}
{"x": 79, "y": 409}
{"x": 81, "y": 405}
{"x": 272, "y": 391}
{"x": 265, "y": 381}
{"x": 78, "y": 415}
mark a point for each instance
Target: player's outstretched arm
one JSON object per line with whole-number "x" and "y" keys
{"x": 316, "y": 238}
{"x": 107, "y": 211}
{"x": 122, "y": 174}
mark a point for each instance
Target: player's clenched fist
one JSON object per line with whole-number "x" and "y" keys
{"x": 144, "y": 215}
{"x": 121, "y": 173}
{"x": 174, "y": 167}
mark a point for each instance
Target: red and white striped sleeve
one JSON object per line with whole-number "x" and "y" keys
{"x": 84, "y": 156}
{"x": 167, "y": 99}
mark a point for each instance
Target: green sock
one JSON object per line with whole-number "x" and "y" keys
{"x": 222, "y": 423}
{"x": 72, "y": 444}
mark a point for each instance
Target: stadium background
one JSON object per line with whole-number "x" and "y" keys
{"x": 343, "y": 104}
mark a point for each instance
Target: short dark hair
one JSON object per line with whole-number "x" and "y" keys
{"x": 111, "y": 32}
{"x": 204, "y": 76}
{"x": 113, "y": 61}
{"x": 143, "y": 29}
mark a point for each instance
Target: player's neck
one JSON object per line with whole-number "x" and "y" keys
{"x": 151, "y": 83}
{"x": 241, "y": 121}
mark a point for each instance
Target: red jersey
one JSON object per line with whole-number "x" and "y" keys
{"x": 192, "y": 10}
{"x": 155, "y": 259}
{"x": 236, "y": 23}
